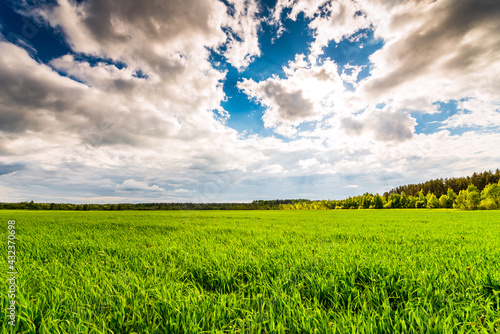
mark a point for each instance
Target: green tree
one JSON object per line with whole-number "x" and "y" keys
{"x": 366, "y": 201}
{"x": 473, "y": 197}
{"x": 491, "y": 197}
{"x": 443, "y": 201}
{"x": 432, "y": 202}
{"x": 404, "y": 200}
{"x": 412, "y": 200}
{"x": 422, "y": 201}
{"x": 460, "y": 200}
{"x": 394, "y": 201}
{"x": 468, "y": 199}
{"x": 451, "y": 195}
{"x": 378, "y": 202}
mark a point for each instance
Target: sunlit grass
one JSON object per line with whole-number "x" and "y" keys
{"x": 256, "y": 271}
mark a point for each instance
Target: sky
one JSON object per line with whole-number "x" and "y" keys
{"x": 113, "y": 101}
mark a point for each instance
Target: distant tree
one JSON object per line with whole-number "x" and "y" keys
{"x": 366, "y": 201}
{"x": 490, "y": 198}
{"x": 404, "y": 200}
{"x": 460, "y": 201}
{"x": 473, "y": 197}
{"x": 443, "y": 201}
{"x": 420, "y": 204}
{"x": 432, "y": 202}
{"x": 378, "y": 202}
{"x": 394, "y": 201}
{"x": 468, "y": 199}
{"x": 412, "y": 200}
{"x": 422, "y": 198}
{"x": 438, "y": 186}
{"x": 451, "y": 195}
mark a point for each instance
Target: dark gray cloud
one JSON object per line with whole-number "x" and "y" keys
{"x": 37, "y": 99}
{"x": 28, "y": 89}
{"x": 285, "y": 104}
{"x": 290, "y": 105}
{"x": 144, "y": 33}
{"x": 453, "y": 38}
{"x": 159, "y": 20}
{"x": 115, "y": 23}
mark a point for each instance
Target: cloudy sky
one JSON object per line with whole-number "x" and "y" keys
{"x": 234, "y": 100}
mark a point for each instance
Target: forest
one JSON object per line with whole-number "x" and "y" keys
{"x": 479, "y": 191}
{"x": 468, "y": 199}
{"x": 440, "y": 187}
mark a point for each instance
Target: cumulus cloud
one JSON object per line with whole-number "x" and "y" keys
{"x": 133, "y": 185}
{"x": 329, "y": 20}
{"x": 178, "y": 94}
{"x": 29, "y": 89}
{"x": 341, "y": 19}
{"x": 308, "y": 7}
{"x": 38, "y": 99}
{"x": 383, "y": 124}
{"x": 306, "y": 94}
{"x": 176, "y": 103}
{"x": 244, "y": 25}
{"x": 88, "y": 117}
{"x": 473, "y": 112}
{"x": 308, "y": 163}
{"x": 284, "y": 104}
{"x": 440, "y": 50}
{"x": 152, "y": 35}
{"x": 434, "y": 51}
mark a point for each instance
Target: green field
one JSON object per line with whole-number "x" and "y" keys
{"x": 339, "y": 271}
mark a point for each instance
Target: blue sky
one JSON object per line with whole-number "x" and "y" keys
{"x": 226, "y": 101}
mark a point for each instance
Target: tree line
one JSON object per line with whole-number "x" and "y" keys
{"x": 440, "y": 187}
{"x": 479, "y": 191}
{"x": 140, "y": 206}
{"x": 467, "y": 199}
{"x": 255, "y": 205}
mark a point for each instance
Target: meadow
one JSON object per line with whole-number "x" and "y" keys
{"x": 337, "y": 271}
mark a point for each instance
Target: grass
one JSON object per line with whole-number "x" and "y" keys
{"x": 342, "y": 271}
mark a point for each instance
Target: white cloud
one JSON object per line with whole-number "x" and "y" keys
{"x": 271, "y": 169}
{"x": 342, "y": 19}
{"x": 182, "y": 191}
{"x": 151, "y": 35}
{"x": 243, "y": 44}
{"x": 384, "y": 124}
{"x": 133, "y": 185}
{"x": 474, "y": 112}
{"x": 330, "y": 20}
{"x": 115, "y": 118}
{"x": 308, "y": 163}
{"x": 433, "y": 52}
{"x": 115, "y": 123}
{"x": 307, "y": 94}
{"x": 284, "y": 103}
{"x": 436, "y": 51}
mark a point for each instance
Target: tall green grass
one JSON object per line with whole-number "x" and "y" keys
{"x": 256, "y": 271}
